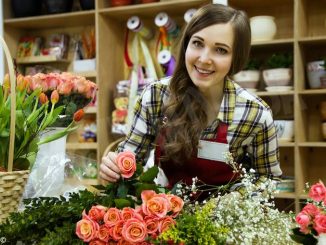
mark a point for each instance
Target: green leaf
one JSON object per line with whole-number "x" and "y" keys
{"x": 121, "y": 203}
{"x": 139, "y": 169}
{"x": 122, "y": 190}
{"x": 150, "y": 174}
{"x": 144, "y": 186}
{"x": 306, "y": 239}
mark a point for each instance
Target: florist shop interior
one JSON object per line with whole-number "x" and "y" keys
{"x": 76, "y": 69}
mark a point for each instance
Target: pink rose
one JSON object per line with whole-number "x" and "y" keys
{"x": 147, "y": 195}
{"x": 156, "y": 206}
{"x": 104, "y": 233}
{"x": 86, "y": 229}
{"x": 320, "y": 223}
{"x": 117, "y": 230}
{"x": 134, "y": 231}
{"x": 112, "y": 216}
{"x": 127, "y": 163}
{"x": 97, "y": 212}
{"x": 166, "y": 223}
{"x": 318, "y": 192}
{"x": 176, "y": 203}
{"x": 127, "y": 213}
{"x": 97, "y": 242}
{"x": 151, "y": 224}
{"x": 311, "y": 210}
{"x": 303, "y": 220}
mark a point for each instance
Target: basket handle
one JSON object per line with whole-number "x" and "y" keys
{"x": 12, "y": 78}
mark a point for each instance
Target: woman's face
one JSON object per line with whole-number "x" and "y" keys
{"x": 209, "y": 56}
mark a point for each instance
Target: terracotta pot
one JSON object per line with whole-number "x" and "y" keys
{"x": 115, "y": 3}
{"x": 322, "y": 108}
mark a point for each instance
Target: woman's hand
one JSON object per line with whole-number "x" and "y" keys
{"x": 109, "y": 170}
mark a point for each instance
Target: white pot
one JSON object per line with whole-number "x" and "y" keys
{"x": 247, "y": 79}
{"x": 277, "y": 77}
{"x": 263, "y": 28}
{"x": 284, "y": 129}
{"x": 315, "y": 72}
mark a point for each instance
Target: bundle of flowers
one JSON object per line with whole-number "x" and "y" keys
{"x": 75, "y": 92}
{"x": 232, "y": 218}
{"x": 35, "y": 112}
{"x": 312, "y": 218}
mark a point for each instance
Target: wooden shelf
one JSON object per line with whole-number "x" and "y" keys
{"x": 40, "y": 59}
{"x": 87, "y": 74}
{"x": 273, "y": 42}
{"x": 313, "y": 40}
{"x": 285, "y": 144}
{"x": 312, "y": 144}
{"x": 81, "y": 146}
{"x": 289, "y": 195}
{"x": 313, "y": 91}
{"x": 79, "y": 18}
{"x": 149, "y": 9}
{"x": 266, "y": 93}
{"x": 91, "y": 110}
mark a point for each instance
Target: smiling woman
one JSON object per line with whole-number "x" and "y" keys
{"x": 192, "y": 118}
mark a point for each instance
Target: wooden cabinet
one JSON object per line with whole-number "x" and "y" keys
{"x": 301, "y": 30}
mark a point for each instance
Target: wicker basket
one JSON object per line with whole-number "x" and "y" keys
{"x": 12, "y": 183}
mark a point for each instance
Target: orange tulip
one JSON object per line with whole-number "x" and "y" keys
{"x": 54, "y": 96}
{"x": 79, "y": 115}
{"x": 43, "y": 98}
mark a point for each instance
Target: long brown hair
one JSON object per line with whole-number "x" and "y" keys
{"x": 186, "y": 109}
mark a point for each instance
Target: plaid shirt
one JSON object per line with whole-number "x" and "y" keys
{"x": 251, "y": 130}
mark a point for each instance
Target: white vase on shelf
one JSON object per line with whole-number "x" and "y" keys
{"x": 322, "y": 239}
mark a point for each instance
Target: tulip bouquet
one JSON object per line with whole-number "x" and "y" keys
{"x": 312, "y": 218}
{"x": 35, "y": 112}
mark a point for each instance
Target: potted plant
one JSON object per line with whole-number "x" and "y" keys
{"x": 278, "y": 74}
{"x": 249, "y": 77}
{"x": 316, "y": 73}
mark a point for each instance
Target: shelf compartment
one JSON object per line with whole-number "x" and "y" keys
{"x": 311, "y": 166}
{"x": 309, "y": 128}
{"x": 78, "y": 18}
{"x": 81, "y": 146}
{"x": 311, "y": 18}
{"x": 282, "y": 106}
{"x": 40, "y": 59}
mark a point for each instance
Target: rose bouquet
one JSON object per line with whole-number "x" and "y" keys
{"x": 153, "y": 213}
{"x": 132, "y": 211}
{"x": 312, "y": 218}
{"x": 35, "y": 111}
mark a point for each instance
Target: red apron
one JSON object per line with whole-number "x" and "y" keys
{"x": 208, "y": 171}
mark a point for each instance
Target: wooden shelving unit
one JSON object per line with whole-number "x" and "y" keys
{"x": 301, "y": 30}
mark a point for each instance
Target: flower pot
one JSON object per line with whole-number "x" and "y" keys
{"x": 284, "y": 129}
{"x": 115, "y": 3}
{"x": 263, "y": 28}
{"x": 277, "y": 77}
{"x": 315, "y": 72}
{"x": 247, "y": 79}
{"x": 58, "y": 6}
{"x": 26, "y": 8}
{"x": 87, "y": 4}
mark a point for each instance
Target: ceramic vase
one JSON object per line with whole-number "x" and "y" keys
{"x": 315, "y": 72}
{"x": 263, "y": 28}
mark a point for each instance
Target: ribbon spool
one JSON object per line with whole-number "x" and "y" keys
{"x": 188, "y": 15}
{"x": 135, "y": 24}
{"x": 163, "y": 20}
{"x": 166, "y": 59}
